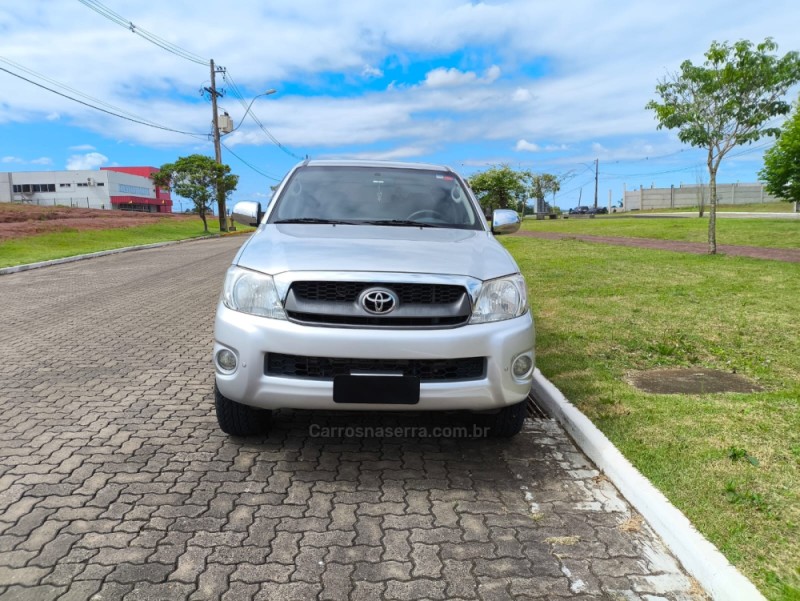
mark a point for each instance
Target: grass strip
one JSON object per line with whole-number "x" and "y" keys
{"x": 70, "y": 242}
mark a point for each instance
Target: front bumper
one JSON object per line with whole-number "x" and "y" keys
{"x": 251, "y": 337}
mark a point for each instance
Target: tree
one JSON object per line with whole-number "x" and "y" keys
{"x": 781, "y": 171}
{"x": 499, "y": 187}
{"x": 727, "y": 101}
{"x": 540, "y": 185}
{"x": 196, "y": 177}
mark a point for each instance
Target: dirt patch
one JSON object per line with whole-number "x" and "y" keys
{"x": 632, "y": 524}
{"x": 790, "y": 255}
{"x": 17, "y": 221}
{"x": 691, "y": 381}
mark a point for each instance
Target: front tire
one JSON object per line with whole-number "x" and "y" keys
{"x": 507, "y": 422}
{"x": 237, "y": 419}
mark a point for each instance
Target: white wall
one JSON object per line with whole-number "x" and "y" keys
{"x": 690, "y": 195}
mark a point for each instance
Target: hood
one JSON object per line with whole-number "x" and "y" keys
{"x": 275, "y": 249}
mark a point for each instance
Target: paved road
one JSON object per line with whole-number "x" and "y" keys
{"x": 115, "y": 482}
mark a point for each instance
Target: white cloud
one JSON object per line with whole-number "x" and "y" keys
{"x": 82, "y": 147}
{"x": 492, "y": 73}
{"x": 90, "y": 160}
{"x": 524, "y": 145}
{"x": 371, "y": 72}
{"x": 443, "y": 77}
{"x": 53, "y": 116}
{"x": 403, "y": 152}
{"x": 521, "y": 95}
{"x": 20, "y": 161}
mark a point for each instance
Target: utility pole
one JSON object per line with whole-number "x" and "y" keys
{"x": 223, "y": 217}
{"x": 596, "y": 169}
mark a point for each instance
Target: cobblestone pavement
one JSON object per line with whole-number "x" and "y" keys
{"x": 115, "y": 482}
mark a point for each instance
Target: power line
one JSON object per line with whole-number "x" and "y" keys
{"x": 109, "y": 14}
{"x": 275, "y": 179}
{"x": 114, "y": 17}
{"x": 565, "y": 192}
{"x": 102, "y": 110}
{"x": 661, "y": 156}
{"x": 237, "y": 92}
{"x": 74, "y": 91}
{"x": 693, "y": 166}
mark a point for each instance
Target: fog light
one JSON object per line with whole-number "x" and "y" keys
{"x": 226, "y": 360}
{"x": 522, "y": 366}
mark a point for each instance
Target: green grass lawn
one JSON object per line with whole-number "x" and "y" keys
{"x": 778, "y": 233}
{"x": 604, "y": 311}
{"x": 67, "y": 243}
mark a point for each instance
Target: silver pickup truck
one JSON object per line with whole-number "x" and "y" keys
{"x": 373, "y": 286}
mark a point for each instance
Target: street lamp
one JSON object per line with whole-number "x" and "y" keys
{"x": 227, "y": 128}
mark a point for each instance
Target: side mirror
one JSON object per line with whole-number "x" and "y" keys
{"x": 505, "y": 221}
{"x": 247, "y": 212}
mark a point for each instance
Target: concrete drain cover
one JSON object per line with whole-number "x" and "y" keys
{"x": 691, "y": 381}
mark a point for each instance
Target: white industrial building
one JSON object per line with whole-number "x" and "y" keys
{"x": 122, "y": 188}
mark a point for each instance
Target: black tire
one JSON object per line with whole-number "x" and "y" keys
{"x": 508, "y": 421}
{"x": 237, "y": 419}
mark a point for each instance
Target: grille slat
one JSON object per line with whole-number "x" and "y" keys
{"x": 407, "y": 322}
{"x": 326, "y": 368}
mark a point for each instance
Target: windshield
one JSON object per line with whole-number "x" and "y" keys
{"x": 375, "y": 196}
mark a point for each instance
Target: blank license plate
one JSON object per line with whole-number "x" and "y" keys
{"x": 381, "y": 390}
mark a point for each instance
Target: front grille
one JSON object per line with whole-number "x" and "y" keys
{"x": 326, "y": 368}
{"x": 423, "y": 294}
{"x": 337, "y": 304}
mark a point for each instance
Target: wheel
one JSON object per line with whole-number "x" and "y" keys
{"x": 426, "y": 212}
{"x": 237, "y": 419}
{"x": 508, "y": 421}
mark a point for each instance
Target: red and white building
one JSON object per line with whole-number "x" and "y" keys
{"x": 121, "y": 188}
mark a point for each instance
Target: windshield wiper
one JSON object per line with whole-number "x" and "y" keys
{"x": 315, "y": 220}
{"x": 403, "y": 223}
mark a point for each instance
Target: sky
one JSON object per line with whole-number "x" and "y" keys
{"x": 544, "y": 86}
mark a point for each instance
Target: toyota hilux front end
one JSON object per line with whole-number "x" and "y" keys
{"x": 372, "y": 286}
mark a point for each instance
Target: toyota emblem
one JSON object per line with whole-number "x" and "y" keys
{"x": 378, "y": 301}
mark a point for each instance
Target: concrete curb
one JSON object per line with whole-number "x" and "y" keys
{"x": 104, "y": 253}
{"x": 700, "y": 558}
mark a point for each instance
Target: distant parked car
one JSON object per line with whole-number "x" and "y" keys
{"x": 579, "y": 211}
{"x": 598, "y": 211}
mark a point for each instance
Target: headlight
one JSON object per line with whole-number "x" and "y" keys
{"x": 503, "y": 298}
{"x": 251, "y": 292}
